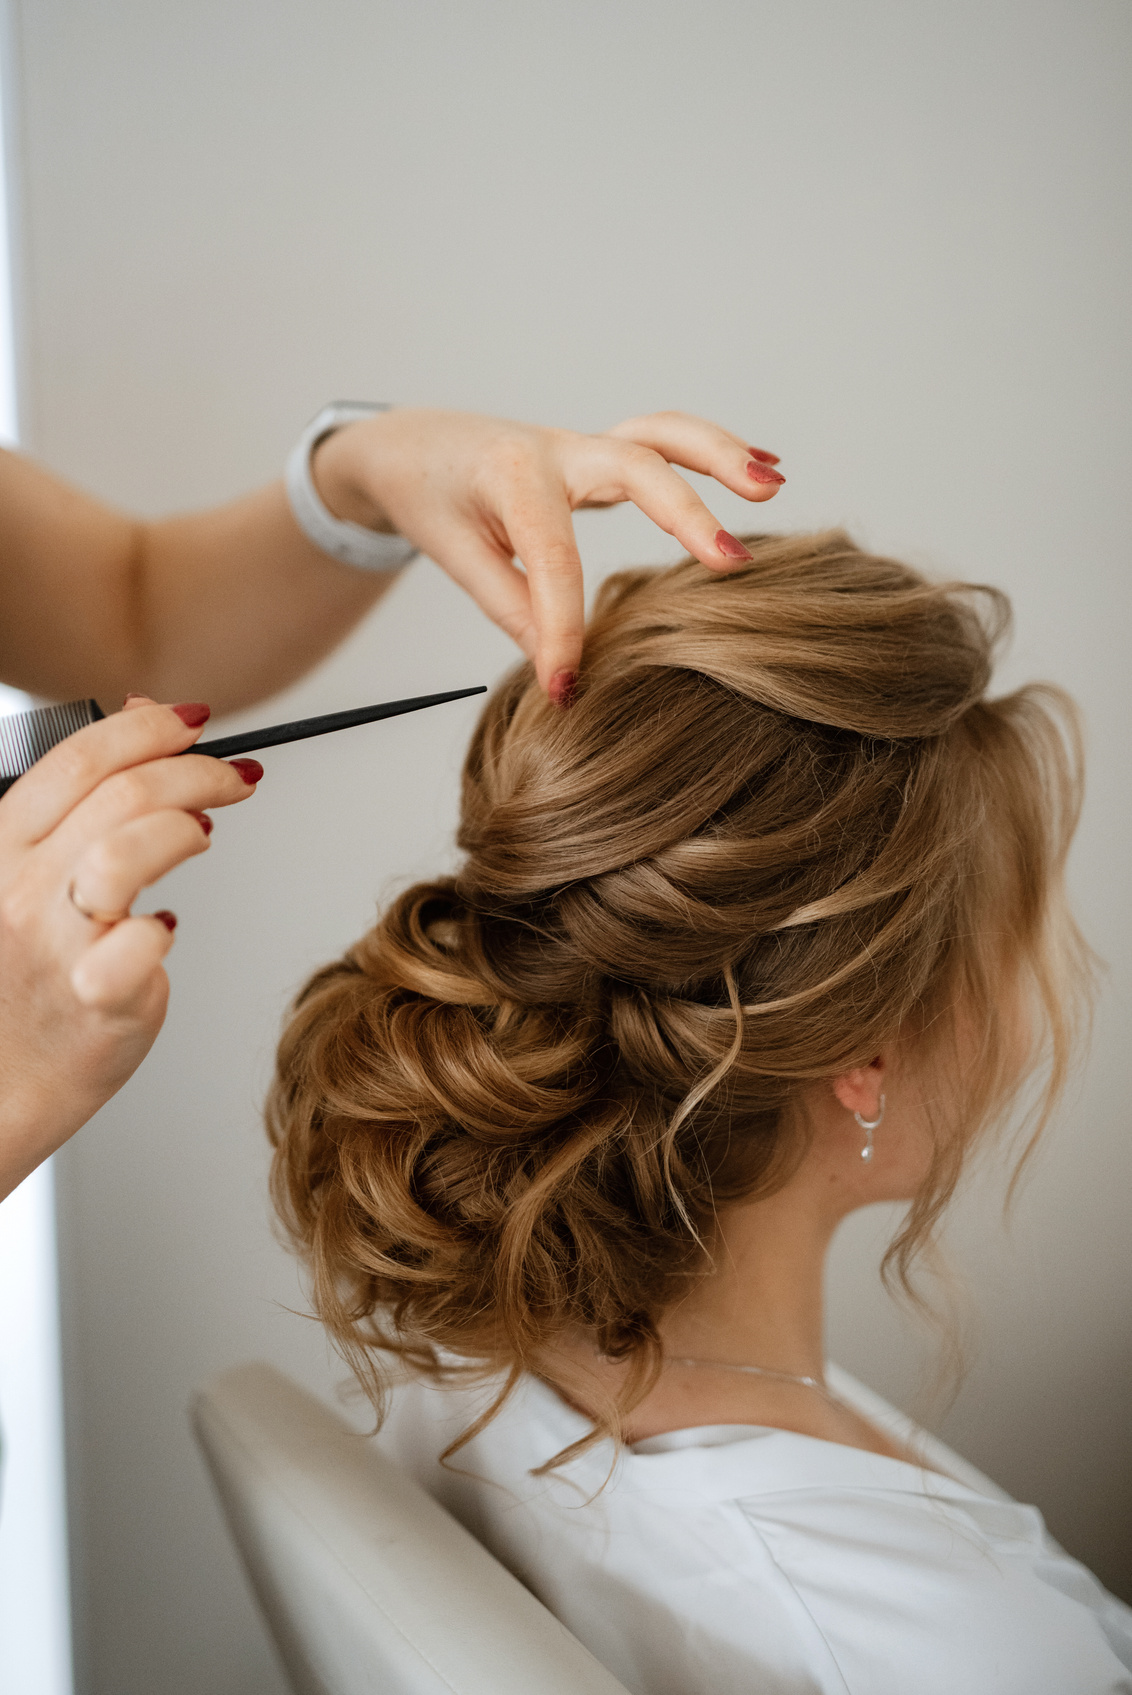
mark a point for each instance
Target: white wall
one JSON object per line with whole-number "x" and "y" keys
{"x": 888, "y": 240}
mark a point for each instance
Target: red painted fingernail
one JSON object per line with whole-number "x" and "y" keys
{"x": 193, "y": 713}
{"x": 762, "y": 456}
{"x": 169, "y": 919}
{"x": 250, "y": 770}
{"x": 204, "y": 821}
{"x": 730, "y": 547}
{"x": 562, "y": 687}
{"x": 759, "y": 473}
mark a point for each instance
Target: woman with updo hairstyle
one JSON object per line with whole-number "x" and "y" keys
{"x": 769, "y": 925}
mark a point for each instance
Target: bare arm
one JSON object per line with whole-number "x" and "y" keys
{"x": 230, "y": 605}
{"x": 225, "y": 606}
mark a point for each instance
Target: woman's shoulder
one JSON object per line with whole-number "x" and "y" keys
{"x": 695, "y": 1467}
{"x": 904, "y": 1431}
{"x": 713, "y": 1555}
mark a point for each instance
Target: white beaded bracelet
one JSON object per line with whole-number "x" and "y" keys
{"x": 350, "y": 543}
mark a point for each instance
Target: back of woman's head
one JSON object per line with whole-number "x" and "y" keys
{"x": 781, "y": 829}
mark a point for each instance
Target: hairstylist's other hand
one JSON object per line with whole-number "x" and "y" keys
{"x": 475, "y": 493}
{"x": 104, "y": 814}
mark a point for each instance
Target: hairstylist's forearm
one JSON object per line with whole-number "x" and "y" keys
{"x": 241, "y": 603}
{"x": 226, "y": 606}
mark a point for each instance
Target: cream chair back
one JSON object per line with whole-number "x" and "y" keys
{"x": 368, "y": 1586}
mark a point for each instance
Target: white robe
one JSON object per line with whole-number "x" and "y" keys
{"x": 744, "y": 1560}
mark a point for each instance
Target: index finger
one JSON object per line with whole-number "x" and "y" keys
{"x": 541, "y": 531}
{"x": 39, "y": 801}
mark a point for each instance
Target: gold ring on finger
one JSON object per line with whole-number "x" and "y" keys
{"x": 89, "y": 912}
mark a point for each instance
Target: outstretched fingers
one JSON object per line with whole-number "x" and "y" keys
{"x": 520, "y": 487}
{"x": 699, "y": 445}
{"x": 620, "y": 470}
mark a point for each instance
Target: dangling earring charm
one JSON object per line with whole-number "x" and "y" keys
{"x": 868, "y": 1125}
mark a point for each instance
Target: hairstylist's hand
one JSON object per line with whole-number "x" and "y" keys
{"x": 473, "y": 493}
{"x": 96, "y": 820}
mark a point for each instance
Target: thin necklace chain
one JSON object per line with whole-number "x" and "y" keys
{"x": 814, "y": 1383}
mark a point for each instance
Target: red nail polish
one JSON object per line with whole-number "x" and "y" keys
{"x": 762, "y": 456}
{"x": 249, "y": 769}
{"x": 562, "y": 688}
{"x": 762, "y": 473}
{"x": 730, "y": 547}
{"x": 193, "y": 713}
{"x": 169, "y": 919}
{"x": 204, "y": 821}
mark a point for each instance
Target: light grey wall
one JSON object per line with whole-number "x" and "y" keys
{"x": 888, "y": 240}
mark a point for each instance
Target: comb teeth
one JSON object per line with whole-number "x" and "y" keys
{"x": 27, "y": 736}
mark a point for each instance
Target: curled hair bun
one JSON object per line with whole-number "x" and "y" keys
{"x": 780, "y": 826}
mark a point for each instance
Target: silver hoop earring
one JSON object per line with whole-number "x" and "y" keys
{"x": 868, "y": 1125}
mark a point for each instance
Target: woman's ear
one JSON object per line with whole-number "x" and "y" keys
{"x": 860, "y": 1090}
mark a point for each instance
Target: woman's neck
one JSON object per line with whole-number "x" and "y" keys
{"x": 761, "y": 1305}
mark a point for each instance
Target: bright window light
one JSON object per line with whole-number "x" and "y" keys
{"x": 35, "y": 1629}
{"x": 35, "y": 1634}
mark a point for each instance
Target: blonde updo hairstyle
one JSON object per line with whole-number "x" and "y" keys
{"x": 781, "y": 829}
